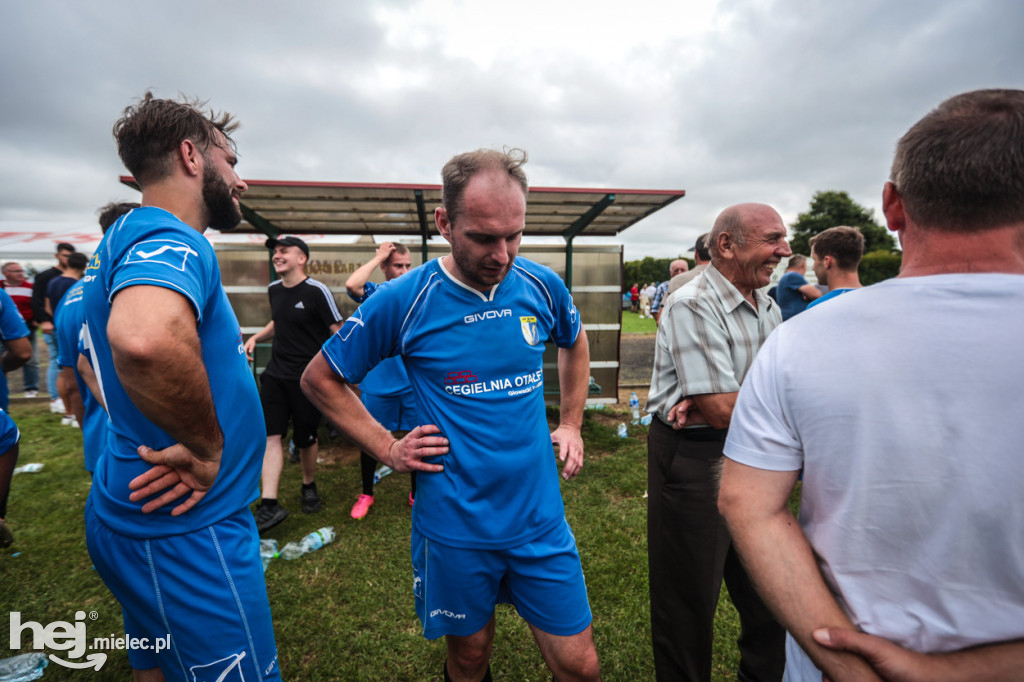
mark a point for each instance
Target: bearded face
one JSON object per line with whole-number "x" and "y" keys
{"x": 220, "y": 200}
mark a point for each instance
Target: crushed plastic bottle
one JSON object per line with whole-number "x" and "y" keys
{"x": 382, "y": 471}
{"x": 268, "y": 551}
{"x": 634, "y": 407}
{"x": 622, "y": 432}
{"x": 30, "y": 468}
{"x": 646, "y": 420}
{"x": 310, "y": 543}
{"x": 24, "y": 667}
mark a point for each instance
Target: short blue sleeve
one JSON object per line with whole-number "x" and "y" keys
{"x": 12, "y": 326}
{"x": 175, "y": 261}
{"x": 367, "y": 290}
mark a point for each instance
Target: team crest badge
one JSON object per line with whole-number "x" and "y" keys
{"x": 529, "y": 326}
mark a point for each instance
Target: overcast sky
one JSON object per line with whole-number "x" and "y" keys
{"x": 736, "y": 100}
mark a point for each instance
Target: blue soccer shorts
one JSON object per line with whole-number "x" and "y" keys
{"x": 205, "y": 589}
{"x": 394, "y": 412}
{"x": 456, "y": 589}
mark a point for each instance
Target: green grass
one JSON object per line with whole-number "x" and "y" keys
{"x": 345, "y": 612}
{"x": 632, "y": 324}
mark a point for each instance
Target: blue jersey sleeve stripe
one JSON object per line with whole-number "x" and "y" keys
{"x": 539, "y": 283}
{"x": 431, "y": 282}
{"x": 137, "y": 281}
{"x": 334, "y": 366}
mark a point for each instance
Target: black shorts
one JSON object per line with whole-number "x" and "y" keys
{"x": 282, "y": 400}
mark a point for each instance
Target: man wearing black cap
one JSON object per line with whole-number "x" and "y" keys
{"x": 303, "y": 316}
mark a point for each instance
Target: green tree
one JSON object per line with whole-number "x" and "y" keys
{"x": 647, "y": 269}
{"x": 879, "y": 265}
{"x": 832, "y": 208}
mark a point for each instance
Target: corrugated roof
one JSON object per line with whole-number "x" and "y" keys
{"x": 285, "y": 207}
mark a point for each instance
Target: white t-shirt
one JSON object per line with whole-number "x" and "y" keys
{"x": 904, "y": 404}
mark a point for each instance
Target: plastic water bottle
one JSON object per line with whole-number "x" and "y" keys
{"x": 24, "y": 667}
{"x": 30, "y": 468}
{"x": 382, "y": 471}
{"x": 646, "y": 420}
{"x": 310, "y": 543}
{"x": 634, "y": 407}
{"x": 622, "y": 432}
{"x": 268, "y": 551}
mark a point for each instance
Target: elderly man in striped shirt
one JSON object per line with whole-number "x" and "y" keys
{"x": 709, "y": 333}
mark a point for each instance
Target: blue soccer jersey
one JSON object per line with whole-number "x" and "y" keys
{"x": 12, "y": 326}
{"x": 389, "y": 378}
{"x": 475, "y": 364}
{"x": 151, "y": 247}
{"x": 68, "y": 322}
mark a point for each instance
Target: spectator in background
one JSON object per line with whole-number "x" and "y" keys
{"x": 85, "y": 405}
{"x": 901, "y": 405}
{"x": 646, "y": 296}
{"x": 701, "y": 256}
{"x": 837, "y": 252}
{"x": 634, "y": 298}
{"x": 794, "y": 292}
{"x": 45, "y": 321}
{"x": 55, "y": 291}
{"x": 16, "y": 352}
{"x": 676, "y": 267}
{"x": 16, "y": 283}
{"x": 385, "y": 391}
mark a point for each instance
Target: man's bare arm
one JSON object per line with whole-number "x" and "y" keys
{"x": 715, "y": 408}
{"x": 74, "y": 397}
{"x": 16, "y": 353}
{"x": 336, "y": 400}
{"x": 158, "y": 359}
{"x": 259, "y": 337}
{"x": 781, "y": 563}
{"x": 356, "y": 282}
{"x": 997, "y": 662}
{"x": 573, "y": 383}
{"x": 810, "y": 292}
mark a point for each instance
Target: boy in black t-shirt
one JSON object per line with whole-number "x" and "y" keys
{"x": 303, "y": 316}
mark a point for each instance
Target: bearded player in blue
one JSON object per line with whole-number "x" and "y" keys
{"x": 488, "y": 525}
{"x": 167, "y": 521}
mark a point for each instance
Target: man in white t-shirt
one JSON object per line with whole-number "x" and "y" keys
{"x": 901, "y": 404}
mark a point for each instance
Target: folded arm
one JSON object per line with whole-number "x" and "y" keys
{"x": 781, "y": 563}
{"x": 158, "y": 358}
{"x": 336, "y": 400}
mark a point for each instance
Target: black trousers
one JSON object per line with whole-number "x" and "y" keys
{"x": 689, "y": 552}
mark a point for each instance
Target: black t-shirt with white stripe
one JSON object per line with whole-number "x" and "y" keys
{"x": 303, "y": 315}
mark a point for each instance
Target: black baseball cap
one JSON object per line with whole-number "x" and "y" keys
{"x": 288, "y": 241}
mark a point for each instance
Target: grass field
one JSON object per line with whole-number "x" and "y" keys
{"x": 632, "y": 323}
{"x": 345, "y": 612}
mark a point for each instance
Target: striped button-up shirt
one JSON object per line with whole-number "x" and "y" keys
{"x": 707, "y": 340}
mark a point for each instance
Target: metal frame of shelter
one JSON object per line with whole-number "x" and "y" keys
{"x": 391, "y": 210}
